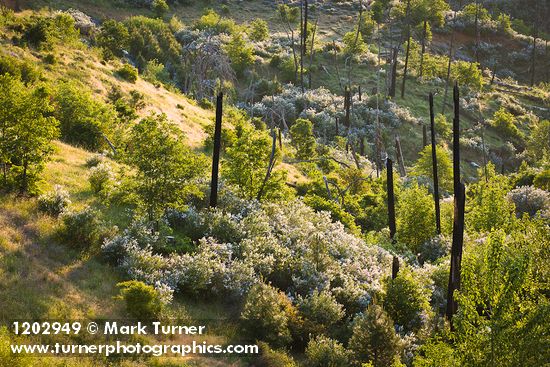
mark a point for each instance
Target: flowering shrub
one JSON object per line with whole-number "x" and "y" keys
{"x": 100, "y": 177}
{"x": 530, "y": 200}
{"x": 291, "y": 245}
{"x": 322, "y": 351}
{"x": 54, "y": 202}
{"x": 82, "y": 229}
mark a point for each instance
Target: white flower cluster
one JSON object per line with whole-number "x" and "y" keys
{"x": 292, "y": 246}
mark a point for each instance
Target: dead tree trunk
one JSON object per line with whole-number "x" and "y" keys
{"x": 359, "y": 92}
{"x": 434, "y": 165}
{"x": 534, "y": 56}
{"x": 407, "y": 14}
{"x": 423, "y": 49}
{"x": 303, "y": 41}
{"x": 270, "y": 165}
{"x": 393, "y": 76}
{"x": 312, "y": 52}
{"x": 447, "y": 79}
{"x": 347, "y": 106}
{"x": 216, "y": 153}
{"x": 391, "y": 212}
{"x": 400, "y": 160}
{"x": 424, "y": 135}
{"x": 458, "y": 221}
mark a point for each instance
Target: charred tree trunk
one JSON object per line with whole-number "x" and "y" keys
{"x": 347, "y": 107}
{"x": 391, "y": 212}
{"x": 311, "y": 52}
{"x": 424, "y": 135}
{"x": 458, "y": 221}
{"x": 359, "y": 93}
{"x": 448, "y": 79}
{"x": 400, "y": 160}
{"x": 434, "y": 164}
{"x": 393, "y": 76}
{"x": 362, "y": 146}
{"x": 270, "y": 165}
{"x": 280, "y": 140}
{"x": 216, "y": 152}
{"x": 533, "y": 57}
{"x": 303, "y": 41}
{"x": 407, "y": 14}
{"x": 423, "y": 49}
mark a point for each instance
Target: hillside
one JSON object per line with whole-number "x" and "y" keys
{"x": 327, "y": 240}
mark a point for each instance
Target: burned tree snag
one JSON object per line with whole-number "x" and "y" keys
{"x": 216, "y": 152}
{"x": 448, "y": 78}
{"x": 393, "y": 76}
{"x": 407, "y": 51}
{"x": 391, "y": 212}
{"x": 400, "y": 160}
{"x": 458, "y": 221}
{"x": 424, "y": 135}
{"x": 269, "y": 166}
{"x": 347, "y": 106}
{"x": 359, "y": 93}
{"x": 434, "y": 164}
{"x": 423, "y": 49}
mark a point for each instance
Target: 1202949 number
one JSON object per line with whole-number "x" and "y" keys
{"x": 45, "y": 328}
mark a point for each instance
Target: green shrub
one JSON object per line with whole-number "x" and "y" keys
{"x": 258, "y": 30}
{"x": 7, "y": 357}
{"x": 83, "y": 119}
{"x": 159, "y": 7}
{"x": 155, "y": 72}
{"x": 354, "y": 44}
{"x": 303, "y": 140}
{"x": 24, "y": 70}
{"x": 100, "y": 177}
{"x": 415, "y": 217}
{"x": 267, "y": 315}
{"x": 54, "y": 202}
{"x": 44, "y": 32}
{"x": 273, "y": 358}
{"x": 321, "y": 311}
{"x": 325, "y": 352}
{"x": 113, "y": 38}
{"x": 337, "y": 213}
{"x": 423, "y": 167}
{"x": 213, "y": 22}
{"x": 504, "y": 122}
{"x": 373, "y": 338}
{"x": 128, "y": 73}
{"x": 240, "y": 53}
{"x": 143, "y": 302}
{"x": 82, "y": 229}
{"x": 406, "y": 302}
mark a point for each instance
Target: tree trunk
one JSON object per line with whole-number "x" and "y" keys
{"x": 391, "y": 213}
{"x": 533, "y": 57}
{"x": 311, "y": 52}
{"x": 269, "y": 166}
{"x": 447, "y": 80}
{"x": 359, "y": 92}
{"x": 406, "y": 67}
{"x": 423, "y": 49}
{"x": 424, "y": 135}
{"x": 391, "y": 92}
{"x": 347, "y": 106}
{"x": 400, "y": 160}
{"x": 458, "y": 221}
{"x": 434, "y": 164}
{"x": 216, "y": 152}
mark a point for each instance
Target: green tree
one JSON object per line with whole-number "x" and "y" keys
{"x": 26, "y": 130}
{"x": 259, "y": 30}
{"x": 486, "y": 203}
{"x": 113, "y": 38}
{"x": 247, "y": 161}
{"x": 374, "y": 339}
{"x": 415, "y": 217}
{"x": 160, "y": 8}
{"x": 503, "y": 310}
{"x": 303, "y": 140}
{"x": 424, "y": 166}
{"x": 354, "y": 44}
{"x": 240, "y": 53}
{"x": 406, "y": 301}
{"x": 538, "y": 145}
{"x": 83, "y": 119}
{"x": 325, "y": 352}
{"x": 165, "y": 166}
{"x": 268, "y": 315}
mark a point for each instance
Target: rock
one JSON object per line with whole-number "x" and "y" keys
{"x": 82, "y": 21}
